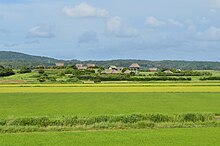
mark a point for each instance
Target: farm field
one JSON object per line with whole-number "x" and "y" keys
{"x": 109, "y": 73}
{"x": 68, "y": 88}
{"x": 86, "y": 104}
{"x": 23, "y": 103}
{"x": 161, "y": 137}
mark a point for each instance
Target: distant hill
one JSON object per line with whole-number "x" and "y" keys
{"x": 17, "y": 60}
{"x": 11, "y": 56}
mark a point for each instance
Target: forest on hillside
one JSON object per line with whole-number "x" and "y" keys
{"x": 18, "y": 60}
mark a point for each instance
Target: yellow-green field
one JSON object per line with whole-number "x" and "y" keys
{"x": 92, "y": 104}
{"x": 87, "y": 100}
{"x": 74, "y": 88}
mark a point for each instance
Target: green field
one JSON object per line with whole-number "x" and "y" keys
{"x": 88, "y": 100}
{"x": 180, "y": 88}
{"x": 86, "y": 104}
{"x": 162, "y": 137}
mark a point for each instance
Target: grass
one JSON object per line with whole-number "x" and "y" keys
{"x": 161, "y": 137}
{"x": 120, "y": 84}
{"x": 28, "y": 77}
{"x": 91, "y": 88}
{"x": 19, "y": 101}
{"x": 88, "y": 104}
{"x": 132, "y": 121}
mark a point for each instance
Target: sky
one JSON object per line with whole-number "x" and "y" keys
{"x": 112, "y": 29}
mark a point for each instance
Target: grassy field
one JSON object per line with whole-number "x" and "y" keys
{"x": 86, "y": 104}
{"x": 161, "y": 137}
{"x": 58, "y": 100}
{"x": 110, "y": 88}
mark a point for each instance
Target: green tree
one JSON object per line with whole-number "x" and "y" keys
{"x": 6, "y": 72}
{"x": 24, "y": 70}
{"x": 41, "y": 71}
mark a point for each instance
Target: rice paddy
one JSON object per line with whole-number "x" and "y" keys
{"x": 89, "y": 100}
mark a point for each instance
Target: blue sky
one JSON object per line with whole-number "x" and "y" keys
{"x": 112, "y": 29}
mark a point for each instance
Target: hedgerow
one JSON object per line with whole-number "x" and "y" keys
{"x": 128, "y": 78}
{"x": 209, "y": 78}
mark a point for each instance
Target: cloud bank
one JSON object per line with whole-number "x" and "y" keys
{"x": 116, "y": 27}
{"x": 84, "y": 10}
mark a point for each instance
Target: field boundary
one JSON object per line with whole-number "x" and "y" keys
{"x": 153, "y": 89}
{"x": 121, "y": 122}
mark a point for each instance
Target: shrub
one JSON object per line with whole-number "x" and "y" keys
{"x": 73, "y": 80}
{"x": 97, "y": 80}
{"x": 159, "y": 118}
{"x": 209, "y": 78}
{"x": 41, "y": 71}
{"x": 69, "y": 71}
{"x": 52, "y": 79}
{"x": 41, "y": 79}
{"x": 132, "y": 74}
{"x": 24, "y": 70}
{"x": 183, "y": 73}
{"x": 6, "y": 72}
{"x": 128, "y": 78}
{"x": 144, "y": 124}
{"x": 190, "y": 117}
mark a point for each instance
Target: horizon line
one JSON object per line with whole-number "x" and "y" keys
{"x": 113, "y": 59}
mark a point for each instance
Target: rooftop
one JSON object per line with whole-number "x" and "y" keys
{"x": 134, "y": 65}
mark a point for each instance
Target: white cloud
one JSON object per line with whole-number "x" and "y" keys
{"x": 117, "y": 28}
{"x": 154, "y": 21}
{"x": 40, "y": 31}
{"x": 114, "y": 24}
{"x": 175, "y": 22}
{"x": 211, "y": 34}
{"x": 84, "y": 10}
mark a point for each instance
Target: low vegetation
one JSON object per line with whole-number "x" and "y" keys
{"x": 133, "y": 121}
{"x": 129, "y": 78}
{"x": 210, "y": 78}
{"x": 24, "y": 70}
{"x": 71, "y": 74}
{"x": 183, "y": 73}
{"x": 6, "y": 71}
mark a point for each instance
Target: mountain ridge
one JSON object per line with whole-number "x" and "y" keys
{"x": 18, "y": 59}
